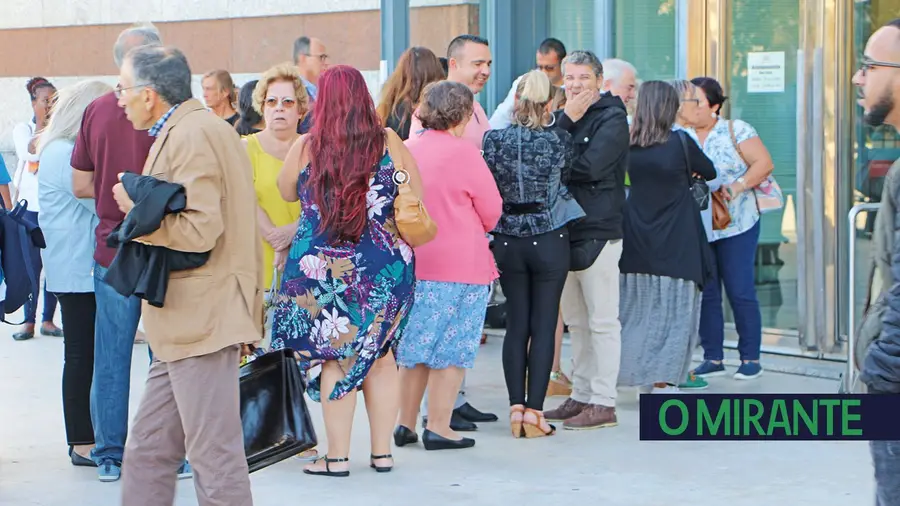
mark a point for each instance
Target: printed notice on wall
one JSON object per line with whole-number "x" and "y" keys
{"x": 765, "y": 72}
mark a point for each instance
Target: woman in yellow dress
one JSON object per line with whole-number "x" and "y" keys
{"x": 282, "y": 100}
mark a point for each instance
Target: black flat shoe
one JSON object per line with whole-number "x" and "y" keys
{"x": 457, "y": 423}
{"x": 23, "y": 336}
{"x": 473, "y": 415}
{"x": 328, "y": 471}
{"x": 403, "y": 436}
{"x": 79, "y": 461}
{"x": 434, "y": 441}
{"x": 381, "y": 469}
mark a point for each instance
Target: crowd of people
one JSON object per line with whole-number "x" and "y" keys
{"x": 578, "y": 195}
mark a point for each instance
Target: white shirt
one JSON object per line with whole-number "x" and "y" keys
{"x": 25, "y": 183}
{"x": 502, "y": 117}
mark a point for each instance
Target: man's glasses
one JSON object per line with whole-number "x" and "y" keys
{"x": 868, "y": 64}
{"x": 286, "y": 102}
{"x": 119, "y": 89}
{"x": 322, "y": 57}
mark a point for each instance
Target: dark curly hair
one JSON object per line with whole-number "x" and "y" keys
{"x": 36, "y": 83}
{"x": 713, "y": 91}
{"x": 445, "y": 104}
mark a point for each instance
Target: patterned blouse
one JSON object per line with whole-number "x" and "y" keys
{"x": 720, "y": 149}
{"x": 531, "y": 168}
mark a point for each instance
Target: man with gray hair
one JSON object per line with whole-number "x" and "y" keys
{"x": 311, "y": 59}
{"x": 590, "y": 300}
{"x": 191, "y": 399}
{"x": 106, "y": 145}
{"x": 620, "y": 79}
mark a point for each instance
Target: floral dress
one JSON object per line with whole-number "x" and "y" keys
{"x": 346, "y": 301}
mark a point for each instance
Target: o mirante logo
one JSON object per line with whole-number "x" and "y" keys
{"x": 769, "y": 417}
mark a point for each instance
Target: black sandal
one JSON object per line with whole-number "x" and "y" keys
{"x": 328, "y": 471}
{"x": 380, "y": 469}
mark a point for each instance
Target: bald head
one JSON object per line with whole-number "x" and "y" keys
{"x": 136, "y": 36}
{"x": 878, "y": 77}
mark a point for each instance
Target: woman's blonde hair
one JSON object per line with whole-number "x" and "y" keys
{"x": 282, "y": 72}
{"x": 533, "y": 94}
{"x": 68, "y": 110}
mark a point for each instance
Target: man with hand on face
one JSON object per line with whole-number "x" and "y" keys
{"x": 878, "y": 80}
{"x": 468, "y": 62}
{"x": 549, "y": 59}
{"x": 590, "y": 300}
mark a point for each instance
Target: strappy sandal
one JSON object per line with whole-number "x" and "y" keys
{"x": 516, "y": 425}
{"x": 533, "y": 430}
{"x": 380, "y": 469}
{"x": 328, "y": 471}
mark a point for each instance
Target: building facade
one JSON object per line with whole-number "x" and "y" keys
{"x": 786, "y": 66}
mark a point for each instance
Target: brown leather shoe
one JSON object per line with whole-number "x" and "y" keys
{"x": 593, "y": 416}
{"x": 566, "y": 410}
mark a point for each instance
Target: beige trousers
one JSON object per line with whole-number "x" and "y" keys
{"x": 190, "y": 407}
{"x": 590, "y": 307}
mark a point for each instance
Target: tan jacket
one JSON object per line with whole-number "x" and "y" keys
{"x": 220, "y": 304}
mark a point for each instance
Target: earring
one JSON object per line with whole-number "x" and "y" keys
{"x": 714, "y": 115}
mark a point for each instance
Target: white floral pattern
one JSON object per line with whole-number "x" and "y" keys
{"x": 334, "y": 324}
{"x": 313, "y": 267}
{"x": 720, "y": 149}
{"x": 374, "y": 202}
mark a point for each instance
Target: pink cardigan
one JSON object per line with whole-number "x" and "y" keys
{"x": 462, "y": 198}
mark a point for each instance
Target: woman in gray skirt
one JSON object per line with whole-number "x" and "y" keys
{"x": 665, "y": 258}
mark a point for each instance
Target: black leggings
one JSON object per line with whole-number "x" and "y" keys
{"x": 78, "y": 311}
{"x": 533, "y": 272}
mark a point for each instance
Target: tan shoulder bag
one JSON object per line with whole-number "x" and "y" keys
{"x": 415, "y": 225}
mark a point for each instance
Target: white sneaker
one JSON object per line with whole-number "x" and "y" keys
{"x": 668, "y": 389}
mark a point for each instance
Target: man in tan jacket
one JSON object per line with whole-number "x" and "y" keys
{"x": 191, "y": 399}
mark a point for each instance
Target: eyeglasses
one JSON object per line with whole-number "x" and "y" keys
{"x": 694, "y": 100}
{"x": 119, "y": 89}
{"x": 286, "y": 102}
{"x": 868, "y": 64}
{"x": 322, "y": 57}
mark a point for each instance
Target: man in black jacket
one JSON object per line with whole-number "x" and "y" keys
{"x": 879, "y": 82}
{"x": 590, "y": 301}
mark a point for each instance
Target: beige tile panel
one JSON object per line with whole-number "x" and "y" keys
{"x": 47, "y": 13}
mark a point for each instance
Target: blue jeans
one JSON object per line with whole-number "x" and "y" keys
{"x": 734, "y": 261}
{"x": 115, "y": 327}
{"x": 886, "y": 459}
{"x": 49, "y": 306}
{"x": 49, "y": 298}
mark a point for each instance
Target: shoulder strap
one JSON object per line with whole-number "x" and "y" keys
{"x": 687, "y": 156}
{"x": 392, "y": 139}
{"x": 734, "y": 142}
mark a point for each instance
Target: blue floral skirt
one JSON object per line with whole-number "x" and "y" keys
{"x": 445, "y": 325}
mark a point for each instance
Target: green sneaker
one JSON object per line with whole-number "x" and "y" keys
{"x": 694, "y": 382}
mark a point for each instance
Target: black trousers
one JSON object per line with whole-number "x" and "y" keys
{"x": 78, "y": 312}
{"x": 533, "y": 272}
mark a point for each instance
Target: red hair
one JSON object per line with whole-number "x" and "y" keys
{"x": 345, "y": 142}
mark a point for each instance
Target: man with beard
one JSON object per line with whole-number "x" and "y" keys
{"x": 878, "y": 79}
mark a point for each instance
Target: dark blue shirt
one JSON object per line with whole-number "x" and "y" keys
{"x": 531, "y": 168}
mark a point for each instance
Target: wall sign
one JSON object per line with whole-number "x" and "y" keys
{"x": 765, "y": 72}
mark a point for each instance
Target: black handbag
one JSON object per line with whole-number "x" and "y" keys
{"x": 275, "y": 419}
{"x": 698, "y": 187}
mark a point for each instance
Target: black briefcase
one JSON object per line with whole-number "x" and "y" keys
{"x": 274, "y": 415}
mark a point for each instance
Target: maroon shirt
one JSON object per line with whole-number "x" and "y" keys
{"x": 108, "y": 144}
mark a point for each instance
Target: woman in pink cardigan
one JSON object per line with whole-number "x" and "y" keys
{"x": 453, "y": 272}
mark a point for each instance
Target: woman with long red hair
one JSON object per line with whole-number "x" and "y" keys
{"x": 349, "y": 277}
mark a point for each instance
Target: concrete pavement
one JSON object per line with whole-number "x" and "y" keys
{"x": 609, "y": 467}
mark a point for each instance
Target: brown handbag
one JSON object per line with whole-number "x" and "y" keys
{"x": 721, "y": 218}
{"x": 415, "y": 225}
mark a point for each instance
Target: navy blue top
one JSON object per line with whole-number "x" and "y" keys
{"x": 531, "y": 168}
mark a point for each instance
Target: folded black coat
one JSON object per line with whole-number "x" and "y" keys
{"x": 139, "y": 269}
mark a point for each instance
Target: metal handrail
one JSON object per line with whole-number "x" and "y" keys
{"x": 850, "y": 376}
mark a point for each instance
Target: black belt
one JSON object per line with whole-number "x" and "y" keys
{"x": 523, "y": 208}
